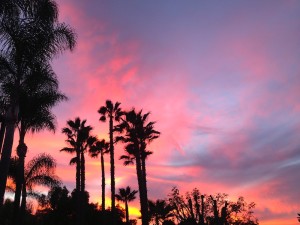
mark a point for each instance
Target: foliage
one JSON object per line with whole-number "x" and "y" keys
{"x": 160, "y": 211}
{"x": 194, "y": 208}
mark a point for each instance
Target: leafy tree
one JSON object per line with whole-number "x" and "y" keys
{"x": 138, "y": 133}
{"x": 160, "y": 211}
{"x": 126, "y": 195}
{"x": 30, "y": 36}
{"x": 195, "y": 208}
{"x": 112, "y": 112}
{"x": 101, "y": 147}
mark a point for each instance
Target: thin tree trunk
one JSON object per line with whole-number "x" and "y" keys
{"x": 103, "y": 181}
{"x": 82, "y": 165}
{"x": 127, "y": 213}
{"x": 142, "y": 189}
{"x": 2, "y": 133}
{"x": 23, "y": 204}
{"x": 82, "y": 191}
{"x": 11, "y": 118}
{"x": 143, "y": 159}
{"x": 21, "y": 152}
{"x": 112, "y": 168}
{"x": 78, "y": 193}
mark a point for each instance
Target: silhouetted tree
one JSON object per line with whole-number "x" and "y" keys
{"x": 126, "y": 195}
{"x": 40, "y": 171}
{"x": 30, "y": 36}
{"x": 160, "y": 211}
{"x": 138, "y": 133}
{"x": 79, "y": 141}
{"x": 112, "y": 112}
{"x": 216, "y": 210}
{"x": 35, "y": 115}
{"x": 101, "y": 147}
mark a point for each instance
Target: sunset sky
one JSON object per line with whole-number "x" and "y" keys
{"x": 220, "y": 78}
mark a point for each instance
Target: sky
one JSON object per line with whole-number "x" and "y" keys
{"x": 220, "y": 78}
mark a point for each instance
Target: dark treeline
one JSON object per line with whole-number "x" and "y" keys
{"x": 193, "y": 208}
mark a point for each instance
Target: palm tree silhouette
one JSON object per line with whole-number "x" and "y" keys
{"x": 138, "y": 134}
{"x": 40, "y": 170}
{"x": 126, "y": 195}
{"x": 101, "y": 147}
{"x": 79, "y": 141}
{"x": 160, "y": 211}
{"x": 35, "y": 115}
{"x": 113, "y": 112}
{"x": 30, "y": 37}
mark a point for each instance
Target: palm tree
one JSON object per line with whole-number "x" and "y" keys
{"x": 160, "y": 211}
{"x": 138, "y": 134}
{"x": 101, "y": 147}
{"x": 79, "y": 141}
{"x": 38, "y": 171}
{"x": 35, "y": 115}
{"x": 30, "y": 36}
{"x": 126, "y": 195}
{"x": 113, "y": 112}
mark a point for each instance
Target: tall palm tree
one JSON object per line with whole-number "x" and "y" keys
{"x": 79, "y": 141}
{"x": 126, "y": 195}
{"x": 35, "y": 115}
{"x": 40, "y": 170}
{"x": 112, "y": 112}
{"x": 138, "y": 134}
{"x": 160, "y": 211}
{"x": 101, "y": 147}
{"x": 30, "y": 34}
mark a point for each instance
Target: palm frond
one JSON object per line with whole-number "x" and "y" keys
{"x": 41, "y": 161}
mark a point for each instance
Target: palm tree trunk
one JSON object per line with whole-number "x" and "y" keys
{"x": 103, "y": 181}
{"x": 23, "y": 204}
{"x": 21, "y": 152}
{"x": 82, "y": 173}
{"x": 127, "y": 212}
{"x": 2, "y": 133}
{"x": 112, "y": 168}
{"x": 78, "y": 193}
{"x": 82, "y": 188}
{"x": 143, "y": 159}
{"x": 11, "y": 118}
{"x": 142, "y": 190}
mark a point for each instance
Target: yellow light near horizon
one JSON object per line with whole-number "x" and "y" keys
{"x": 133, "y": 211}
